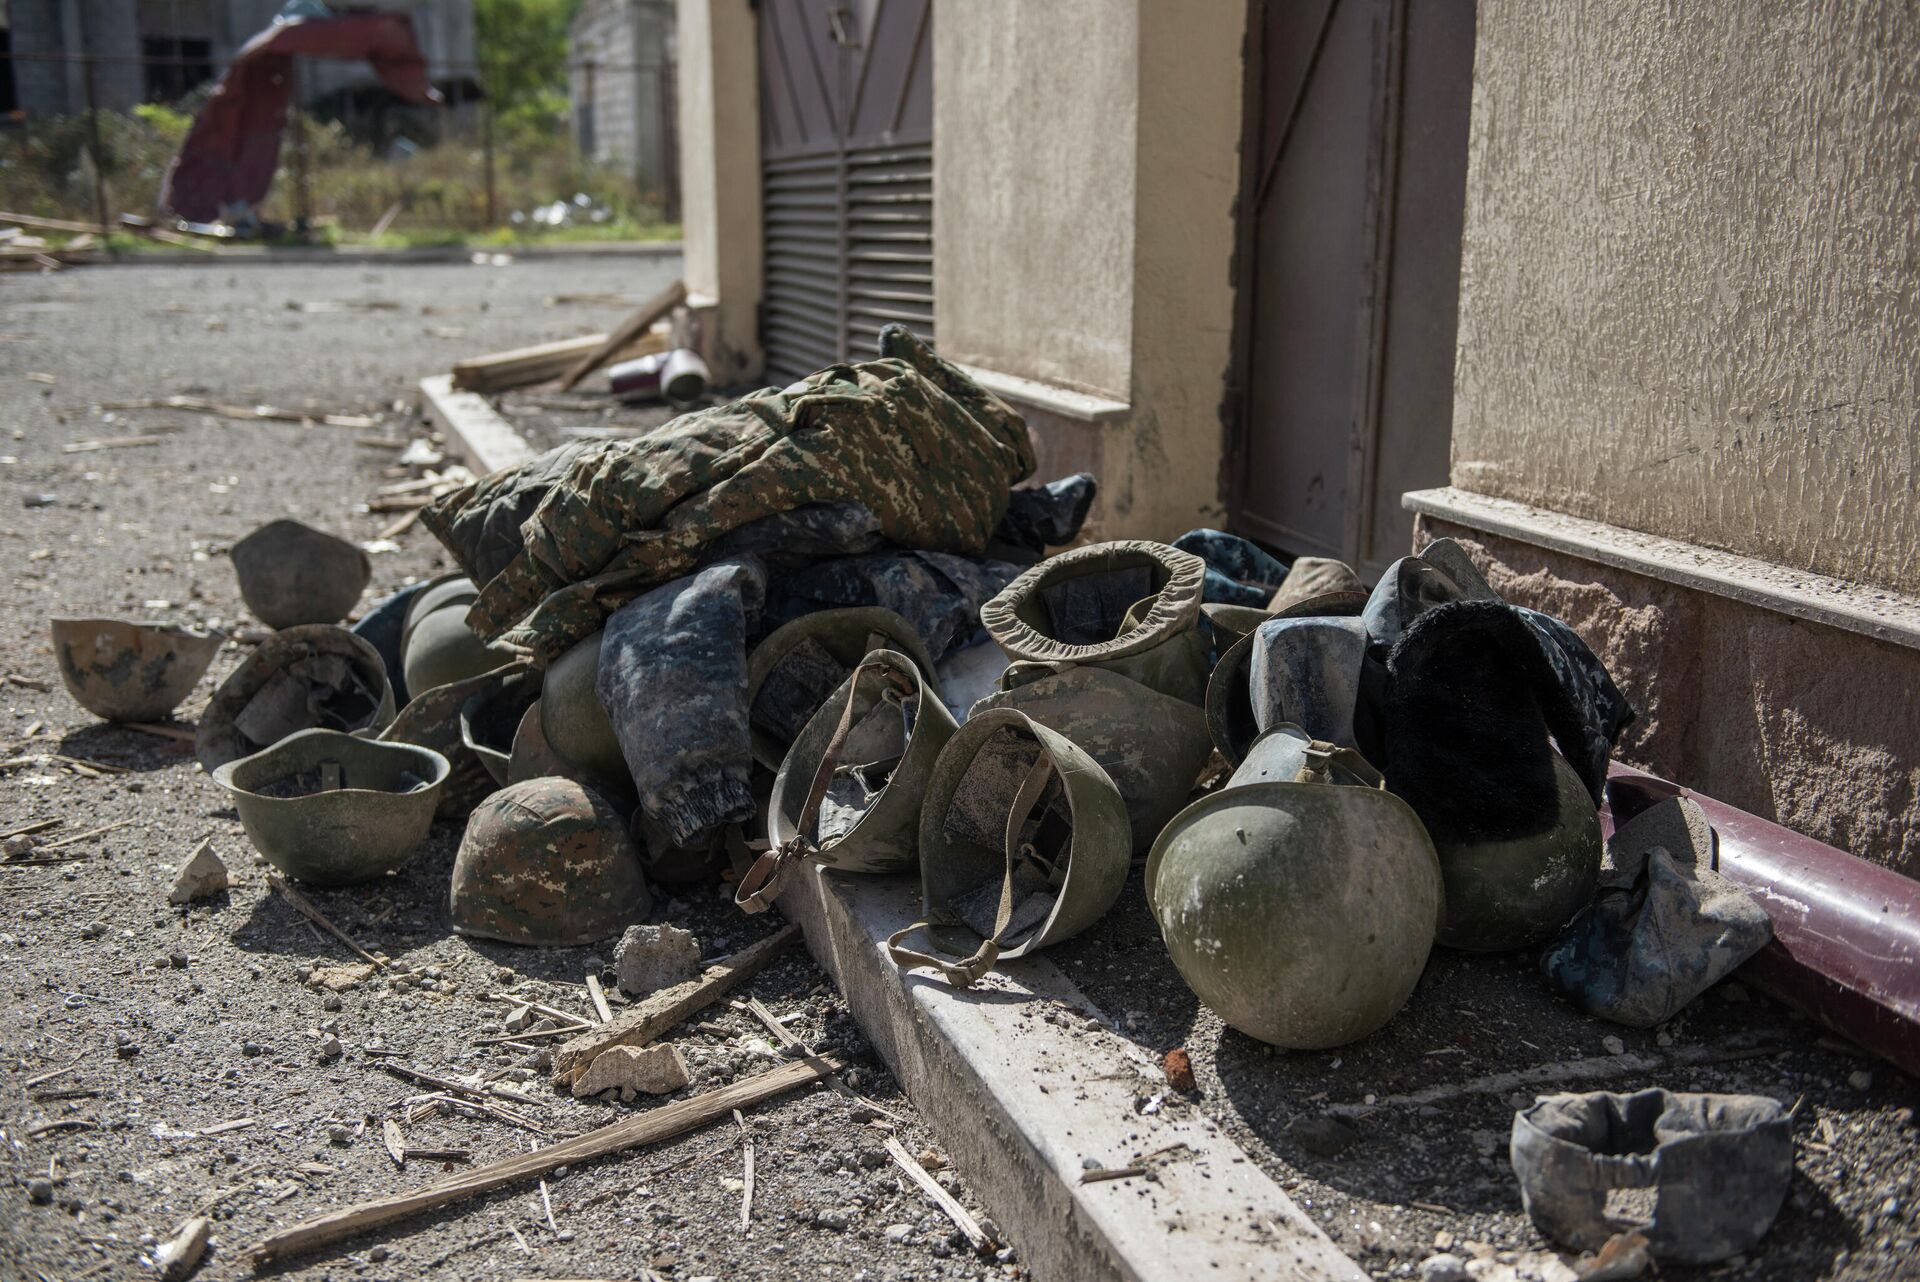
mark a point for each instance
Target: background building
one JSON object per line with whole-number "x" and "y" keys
{"x": 621, "y": 59}
{"x": 187, "y": 43}
{"x": 1624, "y": 296}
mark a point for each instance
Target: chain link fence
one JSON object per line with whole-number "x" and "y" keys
{"x": 357, "y": 165}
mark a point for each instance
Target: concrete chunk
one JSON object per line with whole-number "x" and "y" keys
{"x": 650, "y": 958}
{"x": 204, "y": 875}
{"x": 649, "y": 1070}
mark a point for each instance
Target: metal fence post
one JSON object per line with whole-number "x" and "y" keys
{"x": 486, "y": 144}
{"x": 94, "y": 149}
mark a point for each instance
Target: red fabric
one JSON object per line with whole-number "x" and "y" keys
{"x": 234, "y": 146}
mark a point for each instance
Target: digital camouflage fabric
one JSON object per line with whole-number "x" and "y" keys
{"x": 926, "y": 449}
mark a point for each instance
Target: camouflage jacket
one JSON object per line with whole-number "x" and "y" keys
{"x": 925, "y": 448}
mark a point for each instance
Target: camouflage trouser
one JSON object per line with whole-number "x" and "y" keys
{"x": 1043, "y": 516}
{"x": 673, "y": 679}
{"x": 939, "y": 595}
{"x": 1238, "y": 572}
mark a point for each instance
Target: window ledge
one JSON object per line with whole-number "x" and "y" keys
{"x": 1880, "y": 613}
{"x": 1051, "y": 397}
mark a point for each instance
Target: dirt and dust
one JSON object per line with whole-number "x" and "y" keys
{"x": 225, "y": 1056}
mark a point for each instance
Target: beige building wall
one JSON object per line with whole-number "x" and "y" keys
{"x": 1086, "y": 161}
{"x": 720, "y": 180}
{"x": 1690, "y": 294}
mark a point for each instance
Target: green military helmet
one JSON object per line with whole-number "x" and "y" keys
{"x": 1229, "y": 623}
{"x": 492, "y": 714}
{"x": 572, "y": 717}
{"x": 1024, "y": 842}
{"x": 546, "y": 863}
{"x": 292, "y": 574}
{"x": 441, "y": 648}
{"x": 848, "y": 795}
{"x": 800, "y": 664}
{"x": 311, "y": 676}
{"x": 131, "y": 671}
{"x": 534, "y": 758}
{"x": 1298, "y": 902}
{"x": 333, "y": 808}
{"x": 431, "y": 719}
{"x": 1518, "y": 893}
{"x": 437, "y": 593}
{"x": 1130, "y": 607}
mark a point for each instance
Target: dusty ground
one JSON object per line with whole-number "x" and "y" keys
{"x": 1405, "y": 1179}
{"x": 130, "y": 1032}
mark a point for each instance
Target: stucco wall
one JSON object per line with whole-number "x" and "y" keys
{"x": 720, "y": 178}
{"x": 1690, "y": 290}
{"x": 1086, "y": 161}
{"x": 1034, "y": 113}
{"x": 1806, "y": 725}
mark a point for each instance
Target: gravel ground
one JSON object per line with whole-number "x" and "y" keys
{"x": 1396, "y": 1183}
{"x": 161, "y": 1060}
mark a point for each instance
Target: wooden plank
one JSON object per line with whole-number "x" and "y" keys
{"x": 662, "y": 1010}
{"x": 657, "y": 308}
{"x": 50, "y": 224}
{"x": 651, "y": 1127}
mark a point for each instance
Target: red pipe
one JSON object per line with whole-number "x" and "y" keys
{"x": 1846, "y": 933}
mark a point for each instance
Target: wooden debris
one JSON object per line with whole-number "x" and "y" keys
{"x": 525, "y": 366}
{"x": 599, "y": 997}
{"x": 537, "y": 1034}
{"x": 962, "y": 1220}
{"x": 551, "y": 1012}
{"x": 381, "y": 443}
{"x": 647, "y": 1019}
{"x": 69, "y": 1066}
{"x": 786, "y": 1037}
{"x": 179, "y": 734}
{"x": 245, "y": 413}
{"x": 83, "y": 836}
{"x": 113, "y": 443}
{"x": 221, "y": 1128}
{"x": 396, "y": 1142}
{"x": 746, "y": 1172}
{"x": 655, "y": 309}
{"x": 385, "y": 221}
{"x": 306, "y": 909}
{"x": 180, "y": 1254}
{"x": 401, "y": 526}
{"x": 29, "y": 830}
{"x": 50, "y": 224}
{"x": 64, "y": 1124}
{"x": 655, "y": 1125}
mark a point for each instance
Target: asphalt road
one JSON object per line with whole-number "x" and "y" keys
{"x": 157, "y": 1061}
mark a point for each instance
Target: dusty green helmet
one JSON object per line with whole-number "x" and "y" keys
{"x": 572, "y": 717}
{"x": 1128, "y": 607}
{"x": 130, "y": 671}
{"x": 333, "y": 808}
{"x": 300, "y": 678}
{"x": 492, "y": 714}
{"x": 440, "y": 648}
{"x": 1298, "y": 902}
{"x": 292, "y": 574}
{"x": 1518, "y": 893}
{"x": 548, "y": 864}
{"x": 1024, "y": 842}
{"x": 848, "y": 795}
{"x": 800, "y": 664}
{"x": 431, "y": 719}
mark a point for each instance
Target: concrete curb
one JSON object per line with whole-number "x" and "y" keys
{"x": 273, "y": 256}
{"x": 1020, "y": 1103}
{"x": 473, "y": 427}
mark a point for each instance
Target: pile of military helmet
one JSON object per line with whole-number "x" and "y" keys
{"x": 660, "y": 651}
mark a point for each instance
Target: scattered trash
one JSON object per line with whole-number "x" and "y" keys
{"x": 202, "y": 876}
{"x": 649, "y": 958}
{"x": 1719, "y": 1166}
{"x": 1665, "y": 926}
{"x": 179, "y": 1255}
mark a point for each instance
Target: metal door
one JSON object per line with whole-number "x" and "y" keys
{"x": 846, "y": 138}
{"x": 1353, "y": 191}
